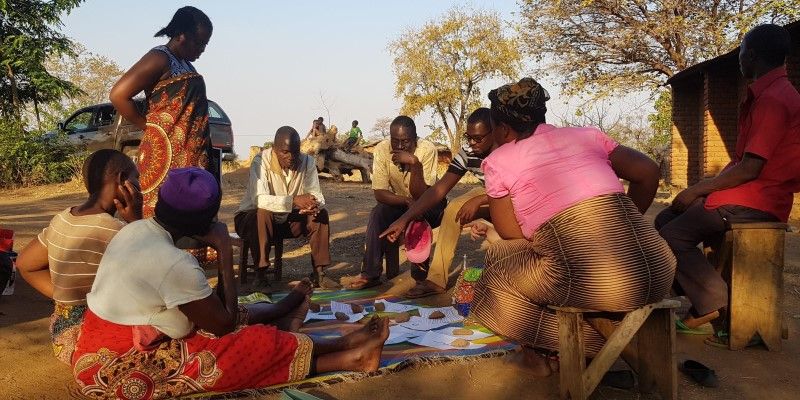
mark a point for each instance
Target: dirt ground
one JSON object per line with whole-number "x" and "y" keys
{"x": 28, "y": 369}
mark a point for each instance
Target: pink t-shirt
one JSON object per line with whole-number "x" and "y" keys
{"x": 551, "y": 171}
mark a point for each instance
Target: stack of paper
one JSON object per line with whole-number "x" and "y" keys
{"x": 395, "y": 307}
{"x": 399, "y": 334}
{"x": 347, "y": 310}
{"x": 424, "y": 323}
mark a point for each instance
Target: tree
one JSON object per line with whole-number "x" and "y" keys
{"x": 28, "y": 34}
{"x": 649, "y": 133}
{"x": 606, "y": 46}
{"x": 381, "y": 127}
{"x": 440, "y": 66}
{"x": 93, "y": 74}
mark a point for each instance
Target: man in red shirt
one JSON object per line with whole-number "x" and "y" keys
{"x": 757, "y": 185}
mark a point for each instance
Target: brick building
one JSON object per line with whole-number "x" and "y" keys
{"x": 705, "y": 111}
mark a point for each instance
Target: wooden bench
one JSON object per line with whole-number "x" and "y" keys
{"x": 645, "y": 338}
{"x": 751, "y": 259}
{"x": 247, "y": 252}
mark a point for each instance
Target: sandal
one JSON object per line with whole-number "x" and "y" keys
{"x": 680, "y": 327}
{"x": 360, "y": 283}
{"x": 423, "y": 289}
{"x": 699, "y": 373}
{"x": 721, "y": 339}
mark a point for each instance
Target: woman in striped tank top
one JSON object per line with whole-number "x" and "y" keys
{"x": 571, "y": 235}
{"x": 62, "y": 262}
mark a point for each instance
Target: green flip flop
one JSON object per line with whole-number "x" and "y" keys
{"x": 681, "y": 327}
{"x": 721, "y": 339}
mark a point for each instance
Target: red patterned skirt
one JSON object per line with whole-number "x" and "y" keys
{"x": 176, "y": 135}
{"x": 106, "y": 364}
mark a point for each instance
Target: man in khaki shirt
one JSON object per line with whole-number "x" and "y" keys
{"x": 403, "y": 167}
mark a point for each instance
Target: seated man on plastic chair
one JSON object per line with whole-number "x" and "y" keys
{"x": 283, "y": 200}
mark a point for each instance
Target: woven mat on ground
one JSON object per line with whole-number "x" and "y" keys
{"x": 394, "y": 357}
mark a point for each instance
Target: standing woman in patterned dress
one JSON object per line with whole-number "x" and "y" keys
{"x": 175, "y": 125}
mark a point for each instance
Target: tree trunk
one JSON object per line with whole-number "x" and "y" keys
{"x": 355, "y": 160}
{"x": 14, "y": 93}
{"x": 36, "y": 111}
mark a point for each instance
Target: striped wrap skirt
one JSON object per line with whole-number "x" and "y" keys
{"x": 599, "y": 254}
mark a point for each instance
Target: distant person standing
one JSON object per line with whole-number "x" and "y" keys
{"x": 353, "y": 137}
{"x": 176, "y": 122}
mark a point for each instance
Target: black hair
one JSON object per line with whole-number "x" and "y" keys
{"x": 186, "y": 20}
{"x": 355, "y": 122}
{"x": 404, "y": 122}
{"x": 770, "y": 42}
{"x": 482, "y": 115}
{"x": 524, "y": 129}
{"x": 100, "y": 165}
{"x": 286, "y": 131}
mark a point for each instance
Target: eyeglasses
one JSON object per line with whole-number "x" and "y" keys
{"x": 474, "y": 139}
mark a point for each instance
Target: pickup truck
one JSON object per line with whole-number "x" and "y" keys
{"x": 100, "y": 127}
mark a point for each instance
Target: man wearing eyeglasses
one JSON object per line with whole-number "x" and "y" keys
{"x": 461, "y": 211}
{"x": 403, "y": 168}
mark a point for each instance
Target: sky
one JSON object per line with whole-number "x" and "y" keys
{"x": 272, "y": 63}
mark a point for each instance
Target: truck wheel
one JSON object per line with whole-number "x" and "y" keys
{"x": 132, "y": 152}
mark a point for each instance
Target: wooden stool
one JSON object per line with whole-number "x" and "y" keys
{"x": 645, "y": 338}
{"x": 247, "y": 251}
{"x": 751, "y": 260}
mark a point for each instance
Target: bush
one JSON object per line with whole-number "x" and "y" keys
{"x": 31, "y": 158}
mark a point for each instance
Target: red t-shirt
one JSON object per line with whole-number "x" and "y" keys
{"x": 769, "y": 127}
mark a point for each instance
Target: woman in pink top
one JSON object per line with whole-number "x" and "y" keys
{"x": 571, "y": 236}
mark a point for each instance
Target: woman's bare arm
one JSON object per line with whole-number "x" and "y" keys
{"x": 640, "y": 171}
{"x": 504, "y": 219}
{"x": 143, "y": 76}
{"x": 34, "y": 266}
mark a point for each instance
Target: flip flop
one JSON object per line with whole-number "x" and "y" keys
{"x": 423, "y": 289}
{"x": 699, "y": 373}
{"x": 681, "y": 327}
{"x": 721, "y": 339}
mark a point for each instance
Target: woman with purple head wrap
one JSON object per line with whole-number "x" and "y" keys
{"x": 156, "y": 329}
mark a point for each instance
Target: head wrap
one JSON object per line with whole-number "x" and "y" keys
{"x": 520, "y": 101}
{"x": 188, "y": 200}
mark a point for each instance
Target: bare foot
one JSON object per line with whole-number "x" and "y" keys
{"x": 368, "y": 354}
{"x": 356, "y": 338}
{"x": 304, "y": 286}
{"x": 263, "y": 264}
{"x": 527, "y": 361}
{"x": 293, "y": 320}
{"x": 693, "y": 322}
{"x": 300, "y": 291}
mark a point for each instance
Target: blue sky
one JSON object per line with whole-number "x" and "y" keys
{"x": 268, "y": 62}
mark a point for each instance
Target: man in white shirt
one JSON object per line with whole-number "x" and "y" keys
{"x": 283, "y": 200}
